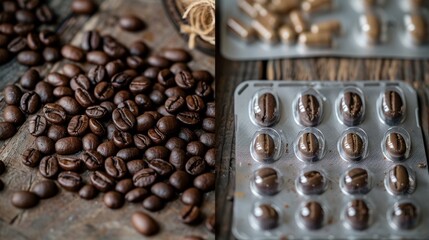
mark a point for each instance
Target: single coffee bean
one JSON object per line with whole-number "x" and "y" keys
{"x": 399, "y": 181}
{"x": 72, "y": 53}
{"x": 113, "y": 67}
{"x": 13, "y": 114}
{"x": 195, "y": 166}
{"x": 158, "y": 61}
{"x": 90, "y": 141}
{"x": 309, "y": 110}
{"x": 175, "y": 142}
{"x": 140, "y": 84}
{"x": 167, "y": 125}
{"x": 131, "y": 23}
{"x": 69, "y": 163}
{"x": 54, "y": 113}
{"x": 85, "y": 7}
{"x": 145, "y": 122}
{"x": 70, "y": 105}
{"x": 152, "y": 72}
{"x": 136, "y": 62}
{"x": 12, "y": 94}
{"x": 179, "y": 66}
{"x": 128, "y": 154}
{"x": 192, "y": 196}
{"x": 122, "y": 139}
{"x": 266, "y": 216}
{"x": 30, "y": 102}
{"x": 205, "y": 182}
{"x": 187, "y": 134}
{"x": 165, "y": 78}
{"x": 45, "y": 91}
{"x": 57, "y": 79}
{"x": 31, "y": 157}
{"x": 29, "y": 58}
{"x": 190, "y": 214}
{"x": 51, "y": 54}
{"x": 174, "y": 104}
{"x": 96, "y": 127}
{"x": 124, "y": 186}
{"x": 203, "y": 75}
{"x": 107, "y": 149}
{"x": 195, "y": 148}
{"x": 351, "y": 108}
{"x": 160, "y": 152}
{"x": 68, "y": 145}
{"x": 97, "y": 57}
{"x": 208, "y": 140}
{"x": 92, "y": 159}
{"x": 115, "y": 167}
{"x": 195, "y": 103}
{"x": 139, "y": 48}
{"x": 121, "y": 96}
{"x": 312, "y": 215}
{"x": 392, "y": 107}
{"x": 84, "y": 98}
{"x": 211, "y": 109}
{"x": 153, "y": 203}
{"x": 24, "y": 199}
{"x": 7, "y": 130}
{"x": 180, "y": 180}
{"x": 56, "y": 132}
{"x": 208, "y": 124}
{"x": 266, "y": 181}
{"x": 70, "y": 181}
{"x": 143, "y": 102}
{"x": 44, "y": 14}
{"x": 308, "y": 146}
{"x": 396, "y": 146}
{"x": 45, "y": 145}
{"x": 45, "y": 189}
{"x": 113, "y": 48}
{"x": 268, "y": 110}
{"x": 49, "y": 167}
{"x": 97, "y": 112}
{"x": 204, "y": 90}
{"x": 48, "y": 38}
{"x": 71, "y": 70}
{"x": 145, "y": 177}
{"x": 405, "y": 216}
{"x": 264, "y": 147}
{"x": 357, "y": 214}
{"x": 312, "y": 182}
{"x": 97, "y": 74}
{"x": 29, "y": 79}
{"x": 176, "y": 55}
{"x": 144, "y": 224}
{"x": 189, "y": 118}
{"x": 17, "y": 45}
{"x": 136, "y": 195}
{"x": 352, "y": 145}
{"x": 88, "y": 192}
{"x": 178, "y": 158}
{"x": 101, "y": 181}
{"x": 123, "y": 119}
{"x": 113, "y": 200}
{"x": 356, "y": 181}
{"x": 78, "y": 125}
{"x": 80, "y": 81}
{"x": 130, "y": 105}
{"x": 104, "y": 91}
{"x": 163, "y": 191}
{"x": 136, "y": 165}
{"x": 210, "y": 157}
{"x": 162, "y": 168}
{"x": 63, "y": 91}
{"x": 91, "y": 40}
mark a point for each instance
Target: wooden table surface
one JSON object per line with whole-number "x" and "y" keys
{"x": 232, "y": 73}
{"x": 66, "y": 216}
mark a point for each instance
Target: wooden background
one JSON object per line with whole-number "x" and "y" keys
{"x": 231, "y": 73}
{"x": 66, "y": 216}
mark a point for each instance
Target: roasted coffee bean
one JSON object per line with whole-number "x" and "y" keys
{"x": 69, "y": 163}
{"x": 91, "y": 40}
{"x": 204, "y": 90}
{"x": 144, "y": 224}
{"x": 179, "y": 66}
{"x": 266, "y": 181}
{"x": 176, "y": 55}
{"x": 113, "y": 200}
{"x": 45, "y": 145}
{"x": 188, "y": 118}
{"x": 139, "y": 48}
{"x": 205, "y": 182}
{"x": 70, "y": 105}
{"x": 136, "y": 165}
{"x": 152, "y": 72}
{"x": 80, "y": 81}
{"x": 96, "y": 127}
{"x": 178, "y": 158}
{"x": 131, "y": 23}
{"x": 399, "y": 181}
{"x": 31, "y": 157}
{"x": 166, "y": 78}
{"x": 78, "y": 125}
{"x": 85, "y": 7}
{"x": 351, "y": 108}
{"x": 145, "y": 122}
{"x": 158, "y": 61}
{"x": 308, "y": 147}
{"x": 190, "y": 214}
{"x": 167, "y": 125}
{"x": 135, "y": 62}
{"x": 30, "y": 102}
{"x": 24, "y": 199}
{"x": 266, "y": 216}
{"x": 122, "y": 139}
{"x": 208, "y": 124}
{"x": 49, "y": 167}
{"x": 104, "y": 91}
{"x": 187, "y": 134}
{"x": 195, "y": 103}
{"x": 88, "y": 192}
{"x": 7, "y": 130}
{"x": 175, "y": 142}
{"x": 97, "y": 57}
{"x": 123, "y": 119}
{"x": 156, "y": 115}
{"x": 128, "y": 154}
{"x": 37, "y": 125}
{"x": 210, "y": 157}
{"x": 195, "y": 166}
{"x": 17, "y": 45}
{"x": 13, "y": 114}
{"x": 45, "y": 92}
{"x": 44, "y": 14}
{"x": 124, "y": 186}
{"x": 405, "y": 215}
{"x": 57, "y": 79}
{"x": 356, "y": 181}
{"x": 96, "y": 75}
{"x": 130, "y": 105}
{"x": 203, "y": 75}
{"x": 357, "y": 214}
{"x": 145, "y": 177}
{"x": 56, "y": 132}
{"x": 113, "y": 48}
{"x": 180, "y": 180}
{"x": 353, "y": 147}
{"x": 192, "y": 196}
{"x": 121, "y": 80}
{"x": 45, "y": 189}
{"x": 71, "y": 70}
{"x": 312, "y": 215}
{"x": 63, "y": 91}
{"x": 162, "y": 168}
{"x": 143, "y": 102}
{"x": 157, "y": 152}
{"x": 163, "y": 191}
{"x": 210, "y": 109}
{"x": 140, "y": 84}
{"x": 29, "y": 58}
{"x": 195, "y": 148}
{"x": 28, "y": 81}
{"x": 121, "y": 96}
{"x": 267, "y": 115}
{"x": 312, "y": 182}
{"x": 96, "y": 112}
{"x": 101, "y": 181}
{"x": 92, "y": 159}
{"x": 208, "y": 139}
{"x": 70, "y": 181}
{"x": 12, "y": 94}
{"x": 396, "y": 146}
{"x": 136, "y": 195}
{"x": 115, "y": 167}
{"x": 113, "y": 67}
{"x": 153, "y": 203}
{"x": 84, "y": 98}
{"x": 161, "y": 109}
{"x": 392, "y": 107}
{"x": 111, "y": 128}
{"x": 90, "y": 141}
{"x": 309, "y": 110}
{"x": 72, "y": 53}
{"x": 54, "y": 113}
{"x": 264, "y": 147}
{"x": 175, "y": 91}
{"x": 68, "y": 145}
{"x": 48, "y": 38}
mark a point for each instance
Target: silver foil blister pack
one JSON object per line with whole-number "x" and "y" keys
{"x": 367, "y": 176}
{"x": 266, "y": 29}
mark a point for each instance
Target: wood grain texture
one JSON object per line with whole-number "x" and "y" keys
{"x": 66, "y": 216}
{"x": 230, "y": 74}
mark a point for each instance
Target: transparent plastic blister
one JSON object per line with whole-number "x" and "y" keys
{"x": 303, "y": 183}
{"x": 264, "y": 109}
{"x": 392, "y": 105}
{"x": 308, "y": 108}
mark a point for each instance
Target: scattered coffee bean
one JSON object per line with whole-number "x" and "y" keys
{"x": 24, "y": 199}
{"x": 153, "y": 203}
{"x": 70, "y": 181}
{"x": 68, "y": 145}
{"x": 45, "y": 145}
{"x": 113, "y": 200}
{"x": 136, "y": 195}
{"x": 131, "y": 23}
{"x": 205, "y": 182}
{"x": 45, "y": 189}
{"x": 163, "y": 191}
{"x": 49, "y": 167}
{"x": 31, "y": 157}
{"x": 190, "y": 214}
{"x": 88, "y": 192}
{"x": 30, "y": 102}
{"x": 13, "y": 114}
{"x": 12, "y": 94}
{"x": 69, "y": 163}
{"x": 144, "y": 224}
{"x": 192, "y": 196}
{"x": 101, "y": 181}
{"x": 7, "y": 130}
{"x": 85, "y": 7}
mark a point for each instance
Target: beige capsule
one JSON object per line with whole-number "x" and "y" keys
{"x": 369, "y": 3}
{"x": 316, "y": 5}
{"x": 247, "y": 7}
{"x": 269, "y": 18}
{"x": 417, "y": 28}
{"x": 323, "y": 39}
{"x": 371, "y": 26}
{"x": 331, "y": 26}
{"x": 298, "y": 21}
{"x": 238, "y": 28}
{"x": 264, "y": 30}
{"x": 287, "y": 34}
{"x": 283, "y": 6}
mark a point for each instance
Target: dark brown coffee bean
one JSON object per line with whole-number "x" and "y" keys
{"x": 30, "y": 102}
{"x": 96, "y": 127}
{"x": 139, "y": 48}
{"x": 131, "y": 23}
{"x": 152, "y": 72}
{"x": 353, "y": 146}
{"x": 210, "y": 157}
{"x": 192, "y": 196}
{"x": 211, "y": 109}
{"x": 49, "y": 167}
{"x": 176, "y": 55}
{"x": 63, "y": 91}
{"x": 180, "y": 180}
{"x": 29, "y": 79}
{"x": 102, "y": 181}
{"x": 113, "y": 48}
{"x": 85, "y": 7}
{"x": 88, "y": 192}
{"x": 92, "y": 159}
{"x": 68, "y": 145}
{"x": 45, "y": 145}
{"x": 134, "y": 166}
{"x": 78, "y": 125}
{"x": 205, "y": 182}
{"x": 69, "y": 163}
{"x": 24, "y": 199}
{"x": 203, "y": 75}
{"x": 135, "y": 62}
{"x": 175, "y": 92}
{"x": 175, "y": 142}
{"x": 113, "y": 67}
{"x": 392, "y": 107}
{"x": 25, "y": 16}
{"x": 121, "y": 96}
{"x": 45, "y": 92}
{"x": 153, "y": 203}
{"x": 140, "y": 84}
{"x": 163, "y": 168}
{"x": 308, "y": 146}
{"x": 12, "y": 94}
{"x": 70, "y": 181}
{"x": 44, "y": 14}
{"x": 71, "y": 70}
{"x": 91, "y": 40}
{"x": 167, "y": 125}
{"x": 195, "y": 166}
{"x": 351, "y": 108}
{"x": 157, "y": 97}
{"x": 312, "y": 182}
{"x": 72, "y": 53}
{"x": 13, "y": 114}
{"x": 204, "y": 90}
{"x": 48, "y": 38}
{"x": 144, "y": 224}
{"x": 96, "y": 112}
{"x": 178, "y": 158}
{"x": 70, "y": 105}
{"x": 143, "y": 102}
{"x": 7, "y": 130}
{"x": 185, "y": 80}
{"x": 312, "y": 215}
{"x": 97, "y": 57}
{"x": 166, "y": 78}
{"x": 266, "y": 181}
{"x": 396, "y": 146}
{"x": 37, "y": 125}
{"x": 158, "y": 61}
{"x": 357, "y": 214}
{"x": 45, "y": 189}
{"x": 104, "y": 91}
{"x": 33, "y": 41}
{"x": 113, "y": 200}
{"x": 145, "y": 177}
{"x": 190, "y": 214}
{"x": 356, "y": 181}
{"x": 309, "y": 110}
{"x": 29, "y": 58}
{"x": 157, "y": 152}
{"x": 195, "y": 148}
{"x": 128, "y": 154}
{"x": 266, "y": 216}
{"x": 189, "y": 118}
{"x": 145, "y": 122}
{"x": 163, "y": 191}
{"x": 17, "y": 45}
{"x": 31, "y": 157}
{"x": 121, "y": 80}
{"x": 179, "y": 66}
{"x": 136, "y": 195}
{"x": 399, "y": 182}
{"x": 115, "y": 167}
{"x": 57, "y": 79}
{"x": 122, "y": 139}
{"x": 405, "y": 215}
{"x": 84, "y": 98}
{"x": 187, "y": 134}
{"x": 80, "y": 81}
{"x": 264, "y": 147}
{"x": 208, "y": 124}
{"x": 54, "y": 113}
{"x": 96, "y": 75}
{"x": 56, "y": 132}
{"x": 107, "y": 149}
{"x": 124, "y": 186}
{"x": 90, "y": 142}
{"x": 123, "y": 119}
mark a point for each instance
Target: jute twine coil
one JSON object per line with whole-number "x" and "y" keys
{"x": 201, "y": 18}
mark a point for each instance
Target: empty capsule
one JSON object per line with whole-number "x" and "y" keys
{"x": 322, "y": 39}
{"x": 417, "y": 28}
{"x": 370, "y": 25}
{"x": 316, "y": 5}
{"x": 287, "y": 34}
{"x": 247, "y": 7}
{"x": 331, "y": 26}
{"x": 298, "y": 21}
{"x": 238, "y": 28}
{"x": 264, "y": 30}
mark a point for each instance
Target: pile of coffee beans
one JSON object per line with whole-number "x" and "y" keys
{"x": 142, "y": 126}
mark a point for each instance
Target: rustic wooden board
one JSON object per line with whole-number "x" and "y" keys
{"x": 231, "y": 73}
{"x": 66, "y": 216}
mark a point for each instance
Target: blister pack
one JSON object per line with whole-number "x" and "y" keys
{"x": 329, "y": 160}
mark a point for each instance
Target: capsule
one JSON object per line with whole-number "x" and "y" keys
{"x": 264, "y": 30}
{"x": 316, "y": 5}
{"x": 242, "y": 31}
{"x": 322, "y": 40}
{"x": 247, "y": 7}
{"x": 269, "y": 18}
{"x": 370, "y": 25}
{"x": 369, "y": 3}
{"x": 287, "y": 34}
{"x": 331, "y": 26}
{"x": 282, "y": 6}
{"x": 298, "y": 21}
{"x": 417, "y": 28}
